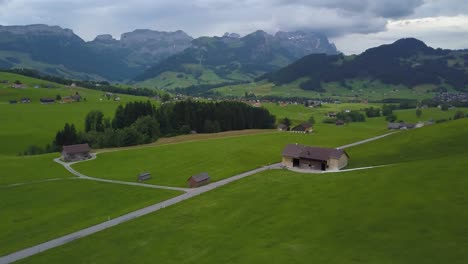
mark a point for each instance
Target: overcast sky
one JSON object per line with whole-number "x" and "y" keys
{"x": 353, "y": 25}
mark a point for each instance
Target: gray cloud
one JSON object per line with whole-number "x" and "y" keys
{"x": 335, "y": 18}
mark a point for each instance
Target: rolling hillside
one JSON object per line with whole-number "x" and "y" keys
{"x": 22, "y": 125}
{"x": 407, "y": 68}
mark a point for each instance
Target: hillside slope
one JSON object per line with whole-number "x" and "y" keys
{"x": 407, "y": 62}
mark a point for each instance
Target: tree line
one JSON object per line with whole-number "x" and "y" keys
{"x": 141, "y": 122}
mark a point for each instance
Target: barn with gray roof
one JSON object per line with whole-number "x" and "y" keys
{"x": 314, "y": 158}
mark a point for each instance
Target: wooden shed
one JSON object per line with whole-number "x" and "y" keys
{"x": 314, "y": 158}
{"x": 76, "y": 152}
{"x": 144, "y": 176}
{"x": 198, "y": 180}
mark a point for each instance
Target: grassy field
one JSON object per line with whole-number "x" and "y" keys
{"x": 221, "y": 157}
{"x": 22, "y": 125}
{"x": 29, "y": 169}
{"x": 357, "y": 90}
{"x": 412, "y": 212}
{"x": 444, "y": 139}
{"x": 409, "y": 115}
{"x": 38, "y": 212}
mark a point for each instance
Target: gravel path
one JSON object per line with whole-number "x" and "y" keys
{"x": 366, "y": 141}
{"x": 67, "y": 166}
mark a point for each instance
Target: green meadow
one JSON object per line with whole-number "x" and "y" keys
{"x": 37, "y": 212}
{"x": 358, "y": 89}
{"x": 22, "y": 125}
{"x": 411, "y": 212}
{"x": 173, "y": 164}
{"x": 431, "y": 142}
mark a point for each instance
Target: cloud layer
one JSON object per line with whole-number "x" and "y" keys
{"x": 342, "y": 20}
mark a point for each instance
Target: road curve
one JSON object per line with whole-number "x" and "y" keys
{"x": 82, "y": 176}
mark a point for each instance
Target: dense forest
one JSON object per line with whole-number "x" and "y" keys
{"x": 407, "y": 62}
{"x": 140, "y": 122}
{"x": 93, "y": 85}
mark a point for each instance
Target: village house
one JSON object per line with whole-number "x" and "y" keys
{"x": 76, "y": 152}
{"x": 331, "y": 114}
{"x": 25, "y": 100}
{"x": 47, "y": 101}
{"x": 302, "y": 128}
{"x": 198, "y": 180}
{"x": 144, "y": 176}
{"x": 18, "y": 85}
{"x": 283, "y": 127}
{"x": 314, "y": 158}
{"x": 67, "y": 99}
{"x": 339, "y": 122}
{"x": 394, "y": 126}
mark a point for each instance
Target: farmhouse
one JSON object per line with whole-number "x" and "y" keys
{"x": 47, "y": 101}
{"x": 76, "y": 152}
{"x": 198, "y": 180}
{"x": 314, "y": 158}
{"x": 393, "y": 126}
{"x": 302, "y": 128}
{"x": 283, "y": 127}
{"x": 331, "y": 114}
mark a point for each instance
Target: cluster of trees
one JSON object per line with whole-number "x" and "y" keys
{"x": 140, "y": 122}
{"x": 372, "y": 112}
{"x": 387, "y": 111}
{"x": 100, "y": 86}
{"x": 351, "y": 116}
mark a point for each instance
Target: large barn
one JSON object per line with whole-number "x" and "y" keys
{"x": 76, "y": 152}
{"x": 314, "y": 158}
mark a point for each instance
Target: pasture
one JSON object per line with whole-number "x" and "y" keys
{"x": 412, "y": 212}
{"x": 173, "y": 164}
{"x": 22, "y": 125}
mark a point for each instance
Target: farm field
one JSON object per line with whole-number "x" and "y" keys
{"x": 361, "y": 89}
{"x": 173, "y": 164}
{"x": 22, "y": 125}
{"x": 366, "y": 216}
{"x": 29, "y": 169}
{"x": 38, "y": 212}
{"x": 444, "y": 139}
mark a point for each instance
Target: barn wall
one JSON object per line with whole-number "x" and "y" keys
{"x": 288, "y": 162}
{"x": 310, "y": 164}
{"x": 337, "y": 164}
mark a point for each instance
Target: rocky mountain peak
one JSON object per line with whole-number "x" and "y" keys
{"x": 38, "y": 29}
{"x": 104, "y": 38}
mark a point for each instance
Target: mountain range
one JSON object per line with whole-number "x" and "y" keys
{"x": 146, "y": 54}
{"x": 407, "y": 62}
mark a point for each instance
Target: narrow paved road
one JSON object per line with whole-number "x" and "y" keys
{"x": 366, "y": 140}
{"x": 82, "y": 176}
{"x": 189, "y": 193}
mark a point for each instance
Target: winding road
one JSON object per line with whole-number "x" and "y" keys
{"x": 188, "y": 193}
